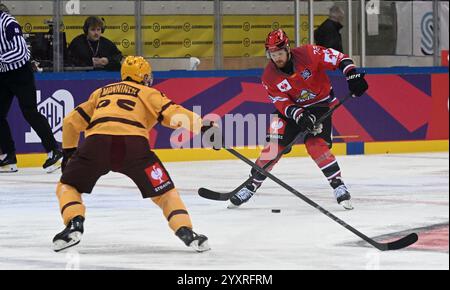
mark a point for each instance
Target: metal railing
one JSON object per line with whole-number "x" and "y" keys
{"x": 304, "y": 15}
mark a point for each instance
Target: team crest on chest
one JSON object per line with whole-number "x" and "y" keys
{"x": 305, "y": 95}
{"x": 284, "y": 86}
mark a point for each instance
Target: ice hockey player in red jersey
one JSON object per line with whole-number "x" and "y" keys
{"x": 301, "y": 91}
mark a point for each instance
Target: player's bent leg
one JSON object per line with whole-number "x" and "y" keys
{"x": 173, "y": 209}
{"x": 319, "y": 151}
{"x": 179, "y": 221}
{"x": 268, "y": 154}
{"x": 154, "y": 182}
{"x": 73, "y": 214}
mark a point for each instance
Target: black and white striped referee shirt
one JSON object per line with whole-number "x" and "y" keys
{"x": 14, "y": 52}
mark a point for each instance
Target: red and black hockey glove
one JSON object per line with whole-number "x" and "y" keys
{"x": 356, "y": 83}
{"x": 304, "y": 119}
{"x": 67, "y": 154}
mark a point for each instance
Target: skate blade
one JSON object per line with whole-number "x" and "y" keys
{"x": 53, "y": 168}
{"x": 200, "y": 248}
{"x": 9, "y": 168}
{"x": 61, "y": 245}
{"x": 347, "y": 204}
{"x": 232, "y": 205}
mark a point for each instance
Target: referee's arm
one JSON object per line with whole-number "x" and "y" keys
{"x": 15, "y": 43}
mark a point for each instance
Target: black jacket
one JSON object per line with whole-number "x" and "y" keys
{"x": 327, "y": 35}
{"x": 81, "y": 54}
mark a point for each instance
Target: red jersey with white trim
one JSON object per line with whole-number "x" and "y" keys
{"x": 309, "y": 84}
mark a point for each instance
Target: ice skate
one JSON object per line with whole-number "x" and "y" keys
{"x": 53, "y": 162}
{"x": 8, "y": 164}
{"x": 198, "y": 242}
{"x": 70, "y": 236}
{"x": 241, "y": 197}
{"x": 343, "y": 197}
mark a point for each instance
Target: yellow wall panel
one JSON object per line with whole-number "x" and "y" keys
{"x": 183, "y": 35}
{"x": 244, "y": 35}
{"x": 178, "y": 35}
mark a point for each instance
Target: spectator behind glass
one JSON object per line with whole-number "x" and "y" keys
{"x": 327, "y": 34}
{"x": 92, "y": 49}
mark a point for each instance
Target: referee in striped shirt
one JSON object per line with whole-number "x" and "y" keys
{"x": 17, "y": 79}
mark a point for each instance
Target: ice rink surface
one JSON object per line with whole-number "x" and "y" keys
{"x": 392, "y": 194}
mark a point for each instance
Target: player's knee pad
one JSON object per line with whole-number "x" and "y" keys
{"x": 268, "y": 155}
{"x": 70, "y": 202}
{"x": 319, "y": 151}
{"x": 271, "y": 151}
{"x": 315, "y": 145}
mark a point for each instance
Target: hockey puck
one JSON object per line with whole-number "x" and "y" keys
{"x": 276, "y": 210}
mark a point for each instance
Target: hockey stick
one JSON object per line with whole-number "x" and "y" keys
{"x": 214, "y": 195}
{"x": 395, "y": 245}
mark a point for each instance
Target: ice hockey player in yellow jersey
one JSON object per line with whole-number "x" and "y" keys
{"x": 116, "y": 121}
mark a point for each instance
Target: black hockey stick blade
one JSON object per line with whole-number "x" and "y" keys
{"x": 220, "y": 196}
{"x": 401, "y": 243}
{"x": 214, "y": 195}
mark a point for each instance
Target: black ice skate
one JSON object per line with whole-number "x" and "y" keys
{"x": 198, "y": 242}
{"x": 53, "y": 162}
{"x": 341, "y": 193}
{"x": 70, "y": 236}
{"x": 8, "y": 164}
{"x": 242, "y": 196}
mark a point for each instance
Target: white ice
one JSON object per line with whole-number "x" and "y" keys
{"x": 391, "y": 193}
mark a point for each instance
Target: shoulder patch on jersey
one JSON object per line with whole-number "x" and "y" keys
{"x": 316, "y": 49}
{"x": 284, "y": 86}
{"x": 332, "y": 56}
{"x": 13, "y": 29}
{"x": 306, "y": 74}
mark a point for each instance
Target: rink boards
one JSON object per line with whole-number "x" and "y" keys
{"x": 404, "y": 110}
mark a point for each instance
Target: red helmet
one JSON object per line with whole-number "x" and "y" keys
{"x": 276, "y": 40}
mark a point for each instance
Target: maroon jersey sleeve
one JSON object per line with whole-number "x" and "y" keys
{"x": 330, "y": 59}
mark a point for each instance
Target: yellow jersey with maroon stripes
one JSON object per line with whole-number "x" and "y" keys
{"x": 126, "y": 109}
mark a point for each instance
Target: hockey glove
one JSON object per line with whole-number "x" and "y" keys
{"x": 67, "y": 154}
{"x": 306, "y": 121}
{"x": 317, "y": 129}
{"x": 356, "y": 83}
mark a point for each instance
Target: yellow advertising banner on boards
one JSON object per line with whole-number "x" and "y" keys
{"x": 178, "y": 35}
{"x": 119, "y": 29}
{"x": 183, "y": 35}
{"x": 33, "y": 23}
{"x": 244, "y": 35}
